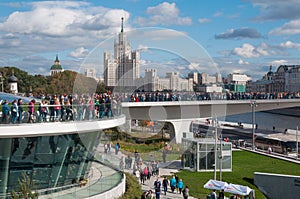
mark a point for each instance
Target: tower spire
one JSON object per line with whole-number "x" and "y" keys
{"x": 122, "y": 25}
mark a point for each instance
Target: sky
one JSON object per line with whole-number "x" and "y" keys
{"x": 183, "y": 36}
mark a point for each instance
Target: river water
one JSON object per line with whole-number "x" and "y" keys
{"x": 266, "y": 120}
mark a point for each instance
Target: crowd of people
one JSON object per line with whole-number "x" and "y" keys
{"x": 62, "y": 108}
{"x": 199, "y": 96}
{"x": 99, "y": 105}
{"x": 162, "y": 187}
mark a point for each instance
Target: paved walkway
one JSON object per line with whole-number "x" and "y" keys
{"x": 167, "y": 169}
{"x": 163, "y": 172}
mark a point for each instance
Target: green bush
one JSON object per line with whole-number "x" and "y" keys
{"x": 133, "y": 188}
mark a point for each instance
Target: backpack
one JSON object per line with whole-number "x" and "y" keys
{"x": 157, "y": 186}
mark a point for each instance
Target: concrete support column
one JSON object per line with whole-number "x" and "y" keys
{"x": 126, "y": 127}
{"x": 5, "y": 153}
{"x": 178, "y": 128}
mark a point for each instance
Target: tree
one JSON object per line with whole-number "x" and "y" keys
{"x": 24, "y": 190}
{"x": 66, "y": 82}
{"x": 101, "y": 88}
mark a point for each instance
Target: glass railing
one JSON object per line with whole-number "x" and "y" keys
{"x": 202, "y": 96}
{"x": 60, "y": 113}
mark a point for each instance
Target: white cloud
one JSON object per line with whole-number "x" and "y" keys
{"x": 263, "y": 49}
{"x": 79, "y": 52}
{"x": 247, "y": 51}
{"x": 163, "y": 14}
{"x": 204, "y": 20}
{"x": 242, "y": 62}
{"x": 59, "y": 19}
{"x": 278, "y": 62}
{"x": 290, "y": 44}
{"x": 42, "y": 27}
{"x": 290, "y": 28}
{"x": 250, "y": 51}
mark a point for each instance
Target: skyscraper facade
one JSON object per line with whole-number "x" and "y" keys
{"x": 122, "y": 68}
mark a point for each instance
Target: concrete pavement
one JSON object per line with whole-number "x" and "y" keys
{"x": 163, "y": 172}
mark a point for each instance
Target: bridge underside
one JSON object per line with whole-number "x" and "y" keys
{"x": 180, "y": 114}
{"x": 192, "y": 110}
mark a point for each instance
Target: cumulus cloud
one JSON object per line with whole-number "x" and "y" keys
{"x": 163, "y": 14}
{"x": 240, "y": 33}
{"x": 227, "y": 66}
{"x": 242, "y": 62}
{"x": 289, "y": 28}
{"x": 247, "y": 51}
{"x": 250, "y": 51}
{"x": 45, "y": 26}
{"x": 79, "y": 52}
{"x": 61, "y": 19}
{"x": 290, "y": 44}
{"x": 204, "y": 20}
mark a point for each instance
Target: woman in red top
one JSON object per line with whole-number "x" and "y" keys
{"x": 31, "y": 110}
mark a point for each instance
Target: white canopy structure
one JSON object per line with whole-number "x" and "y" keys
{"x": 239, "y": 189}
{"x": 215, "y": 184}
{"x": 230, "y": 188}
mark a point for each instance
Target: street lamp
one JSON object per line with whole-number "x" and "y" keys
{"x": 297, "y": 145}
{"x": 253, "y": 105}
{"x": 215, "y": 149}
{"x": 215, "y": 124}
{"x": 221, "y": 156}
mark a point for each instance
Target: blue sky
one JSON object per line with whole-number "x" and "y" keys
{"x": 235, "y": 36}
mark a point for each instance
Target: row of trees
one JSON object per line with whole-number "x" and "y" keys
{"x": 65, "y": 82}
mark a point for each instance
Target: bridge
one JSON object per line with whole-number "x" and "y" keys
{"x": 179, "y": 114}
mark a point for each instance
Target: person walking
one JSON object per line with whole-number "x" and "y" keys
{"x": 165, "y": 185}
{"x": 173, "y": 184}
{"x": 180, "y": 186}
{"x": 213, "y": 194}
{"x": 20, "y": 110}
{"x": 31, "y": 110}
{"x": 185, "y": 192}
{"x": 221, "y": 194}
{"x": 14, "y": 111}
{"x": 117, "y": 147}
{"x": 157, "y": 187}
{"x": 5, "y": 112}
{"x": 177, "y": 180}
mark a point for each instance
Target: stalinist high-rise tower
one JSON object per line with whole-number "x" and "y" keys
{"x": 123, "y": 68}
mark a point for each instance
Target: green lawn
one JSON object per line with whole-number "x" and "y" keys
{"x": 244, "y": 165}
